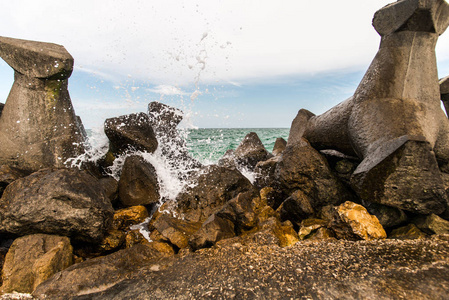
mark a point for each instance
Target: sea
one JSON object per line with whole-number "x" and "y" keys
{"x": 209, "y": 144}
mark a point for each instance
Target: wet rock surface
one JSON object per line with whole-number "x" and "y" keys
{"x": 386, "y": 269}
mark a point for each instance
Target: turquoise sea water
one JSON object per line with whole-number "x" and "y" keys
{"x": 209, "y": 144}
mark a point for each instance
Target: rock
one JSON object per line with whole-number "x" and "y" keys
{"x": 138, "y": 183}
{"x": 251, "y": 151}
{"x": 240, "y": 211}
{"x": 352, "y": 221}
{"x": 38, "y": 125}
{"x": 272, "y": 232}
{"x": 124, "y": 218}
{"x": 320, "y": 234}
{"x": 265, "y": 171}
{"x": 110, "y": 186}
{"x": 210, "y": 188}
{"x": 113, "y": 240}
{"x": 279, "y": 146}
{"x": 97, "y": 274}
{"x": 9, "y": 174}
{"x": 432, "y": 224}
{"x": 302, "y": 167}
{"x": 309, "y": 226}
{"x": 395, "y": 115}
{"x": 298, "y": 126}
{"x": 408, "y": 232}
{"x": 2, "y": 105}
{"x": 175, "y": 230}
{"x": 130, "y": 132}
{"x": 63, "y": 201}
{"x": 387, "y": 216}
{"x": 134, "y": 237}
{"x": 296, "y": 207}
{"x": 164, "y": 118}
{"x": 385, "y": 269}
{"x": 214, "y": 229}
{"x": 33, "y": 259}
{"x": 408, "y": 179}
{"x": 228, "y": 159}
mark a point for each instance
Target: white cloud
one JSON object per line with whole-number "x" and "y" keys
{"x": 167, "y": 90}
{"x": 157, "y": 41}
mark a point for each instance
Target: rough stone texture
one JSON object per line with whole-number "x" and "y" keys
{"x": 296, "y": 207}
{"x": 398, "y": 100}
{"x": 408, "y": 179}
{"x": 138, "y": 183}
{"x": 298, "y": 126}
{"x": 251, "y": 151}
{"x": 2, "y": 105}
{"x": 163, "y": 117}
{"x": 112, "y": 240}
{"x": 265, "y": 171}
{"x": 432, "y": 224}
{"x": 409, "y": 232}
{"x": 130, "y": 132}
{"x": 97, "y": 274}
{"x": 279, "y": 146}
{"x": 241, "y": 211}
{"x": 214, "y": 229}
{"x": 213, "y": 187}
{"x": 126, "y": 217}
{"x": 62, "y": 201}
{"x": 33, "y": 259}
{"x": 228, "y": 159}
{"x": 444, "y": 92}
{"x": 387, "y": 216}
{"x": 302, "y": 167}
{"x": 310, "y": 226}
{"x": 9, "y": 174}
{"x": 38, "y": 125}
{"x": 176, "y": 231}
{"x": 110, "y": 186}
{"x": 352, "y": 221}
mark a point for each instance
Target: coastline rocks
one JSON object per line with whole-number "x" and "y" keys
{"x": 353, "y": 222}
{"x": 65, "y": 202}
{"x": 209, "y": 189}
{"x": 130, "y": 132}
{"x": 126, "y": 217}
{"x": 214, "y": 229}
{"x": 164, "y": 119}
{"x": 304, "y": 168}
{"x": 8, "y": 175}
{"x": 138, "y": 184}
{"x": 33, "y": 259}
{"x": 251, "y": 151}
{"x": 97, "y": 274}
{"x": 279, "y": 146}
{"x": 38, "y": 125}
{"x": 432, "y": 224}
{"x": 409, "y": 232}
{"x": 296, "y": 207}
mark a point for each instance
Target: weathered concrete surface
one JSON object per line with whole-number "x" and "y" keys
{"x": 398, "y": 99}
{"x": 388, "y": 269}
{"x": 38, "y": 127}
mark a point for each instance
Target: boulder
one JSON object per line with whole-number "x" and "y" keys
{"x": 279, "y": 146}
{"x": 209, "y": 189}
{"x": 394, "y": 121}
{"x": 240, "y": 211}
{"x": 33, "y": 259}
{"x": 130, "y": 132}
{"x": 296, "y": 207}
{"x": 310, "y": 226}
{"x": 38, "y": 125}
{"x": 432, "y": 224}
{"x": 113, "y": 240}
{"x": 388, "y": 216}
{"x": 176, "y": 231}
{"x": 138, "y": 183}
{"x": 444, "y": 92}
{"x": 97, "y": 274}
{"x": 265, "y": 172}
{"x": 110, "y": 186}
{"x": 124, "y": 218}
{"x": 304, "y": 168}
{"x": 9, "y": 174}
{"x": 214, "y": 229}
{"x": 408, "y": 232}
{"x": 352, "y": 221}
{"x": 272, "y": 232}
{"x": 164, "y": 118}
{"x": 251, "y": 151}
{"x": 65, "y": 202}
{"x": 298, "y": 126}
{"x": 228, "y": 159}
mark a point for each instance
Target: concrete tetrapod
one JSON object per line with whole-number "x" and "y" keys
{"x": 38, "y": 125}
{"x": 394, "y": 120}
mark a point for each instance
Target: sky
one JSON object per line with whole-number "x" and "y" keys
{"x": 228, "y": 63}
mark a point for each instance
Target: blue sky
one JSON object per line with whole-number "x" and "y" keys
{"x": 225, "y": 63}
